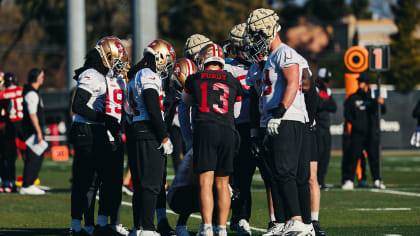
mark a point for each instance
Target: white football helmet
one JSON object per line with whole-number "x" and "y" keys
{"x": 262, "y": 28}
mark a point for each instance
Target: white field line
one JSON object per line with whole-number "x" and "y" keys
{"x": 381, "y": 209}
{"x": 394, "y": 192}
{"x": 192, "y": 215}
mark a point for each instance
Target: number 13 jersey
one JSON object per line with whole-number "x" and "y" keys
{"x": 215, "y": 93}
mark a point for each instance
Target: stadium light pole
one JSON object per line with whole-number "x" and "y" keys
{"x": 144, "y": 23}
{"x": 76, "y": 38}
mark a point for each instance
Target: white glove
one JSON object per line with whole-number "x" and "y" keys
{"x": 273, "y": 126}
{"x": 167, "y": 147}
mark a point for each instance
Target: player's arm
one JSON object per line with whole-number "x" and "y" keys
{"x": 151, "y": 101}
{"x": 348, "y": 110}
{"x": 79, "y": 106}
{"x": 254, "y": 108}
{"x": 307, "y": 80}
{"x": 238, "y": 100}
{"x": 187, "y": 97}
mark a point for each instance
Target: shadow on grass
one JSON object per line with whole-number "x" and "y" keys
{"x": 32, "y": 231}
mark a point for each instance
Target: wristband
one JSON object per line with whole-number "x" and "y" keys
{"x": 278, "y": 112}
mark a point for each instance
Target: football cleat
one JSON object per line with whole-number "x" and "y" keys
{"x": 113, "y": 54}
{"x": 274, "y": 229}
{"x": 242, "y": 227}
{"x": 298, "y": 228}
{"x": 31, "y": 190}
{"x": 317, "y": 228}
{"x": 149, "y": 233}
{"x": 121, "y": 229}
{"x": 348, "y": 185}
{"x": 363, "y": 184}
{"x": 164, "y": 228}
{"x": 379, "y": 184}
{"x": 205, "y": 231}
{"x": 135, "y": 232}
{"x": 221, "y": 231}
{"x": 210, "y": 53}
{"x": 194, "y": 44}
{"x": 164, "y": 55}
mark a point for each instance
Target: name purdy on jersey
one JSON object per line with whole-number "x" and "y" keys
{"x": 93, "y": 82}
{"x": 239, "y": 71}
{"x": 275, "y": 84}
{"x": 144, "y": 79}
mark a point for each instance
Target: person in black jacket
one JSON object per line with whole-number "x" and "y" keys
{"x": 33, "y": 121}
{"x": 325, "y": 106}
{"x": 415, "y": 140}
{"x": 361, "y": 111}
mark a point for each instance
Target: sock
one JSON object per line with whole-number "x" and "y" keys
{"x": 76, "y": 225}
{"x": 221, "y": 228}
{"x": 90, "y": 229}
{"x": 160, "y": 214}
{"x": 207, "y": 225}
{"x": 102, "y": 220}
{"x": 314, "y": 216}
{"x": 272, "y": 217}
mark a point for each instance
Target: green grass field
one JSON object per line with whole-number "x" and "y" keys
{"x": 395, "y": 211}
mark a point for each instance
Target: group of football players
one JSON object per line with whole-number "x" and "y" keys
{"x": 256, "y": 110}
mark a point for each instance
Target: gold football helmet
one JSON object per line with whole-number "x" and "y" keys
{"x": 194, "y": 44}
{"x": 113, "y": 54}
{"x": 210, "y": 53}
{"x": 183, "y": 68}
{"x": 164, "y": 55}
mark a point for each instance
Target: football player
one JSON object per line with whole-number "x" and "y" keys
{"x": 284, "y": 104}
{"x": 95, "y": 133}
{"x": 149, "y": 131}
{"x": 182, "y": 194}
{"x": 310, "y": 140}
{"x": 12, "y": 101}
{"x": 192, "y": 47}
{"x": 216, "y": 96}
{"x": 244, "y": 162}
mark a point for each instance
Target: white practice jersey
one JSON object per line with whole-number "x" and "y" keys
{"x": 303, "y": 64}
{"x": 144, "y": 79}
{"x": 115, "y": 97}
{"x": 93, "y": 82}
{"x": 239, "y": 71}
{"x": 275, "y": 83}
{"x": 254, "y": 79}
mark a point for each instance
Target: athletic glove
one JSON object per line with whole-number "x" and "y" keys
{"x": 255, "y": 142}
{"x": 112, "y": 124}
{"x": 166, "y": 146}
{"x": 273, "y": 126}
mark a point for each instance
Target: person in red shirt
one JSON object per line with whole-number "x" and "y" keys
{"x": 12, "y": 107}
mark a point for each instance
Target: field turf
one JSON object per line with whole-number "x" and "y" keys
{"x": 395, "y": 211}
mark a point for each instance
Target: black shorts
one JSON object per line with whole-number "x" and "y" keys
{"x": 309, "y": 144}
{"x": 214, "y": 147}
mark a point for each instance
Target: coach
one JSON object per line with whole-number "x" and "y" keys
{"x": 33, "y": 121}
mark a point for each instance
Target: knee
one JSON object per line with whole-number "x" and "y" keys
{"x": 313, "y": 180}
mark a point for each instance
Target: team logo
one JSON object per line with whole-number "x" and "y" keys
{"x": 177, "y": 70}
{"x": 120, "y": 47}
{"x": 171, "y": 50}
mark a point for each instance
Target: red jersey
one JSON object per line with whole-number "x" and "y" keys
{"x": 13, "y": 94}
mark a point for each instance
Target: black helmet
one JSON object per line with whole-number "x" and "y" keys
{"x": 9, "y": 79}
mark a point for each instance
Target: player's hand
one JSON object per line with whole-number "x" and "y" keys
{"x": 39, "y": 137}
{"x": 112, "y": 124}
{"x": 167, "y": 146}
{"x": 255, "y": 143}
{"x": 273, "y": 126}
{"x": 380, "y": 100}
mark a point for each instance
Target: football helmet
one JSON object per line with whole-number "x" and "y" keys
{"x": 113, "y": 54}
{"x": 262, "y": 28}
{"x": 210, "y": 53}
{"x": 164, "y": 56}
{"x": 183, "y": 68}
{"x": 194, "y": 44}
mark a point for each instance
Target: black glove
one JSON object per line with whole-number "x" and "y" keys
{"x": 255, "y": 144}
{"x": 112, "y": 124}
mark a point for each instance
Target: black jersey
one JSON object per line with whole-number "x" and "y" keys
{"x": 215, "y": 93}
